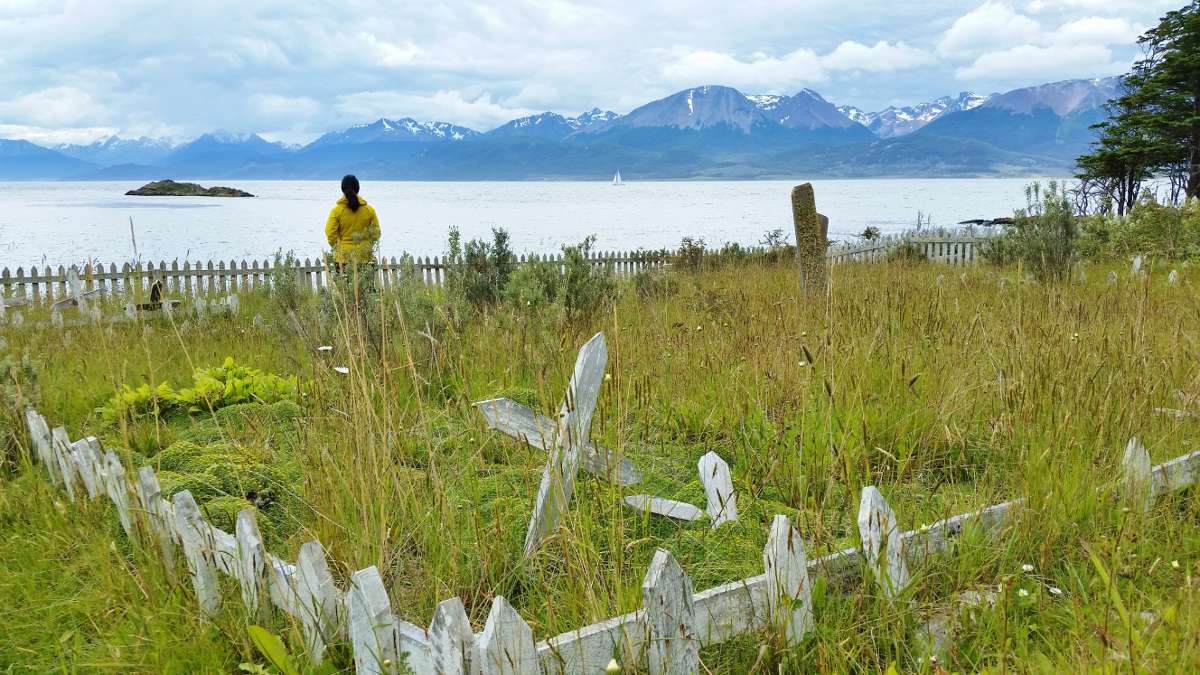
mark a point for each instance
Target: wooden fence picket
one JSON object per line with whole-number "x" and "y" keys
{"x": 198, "y": 551}
{"x": 317, "y": 599}
{"x": 61, "y": 445}
{"x": 882, "y": 543}
{"x": 789, "y": 594}
{"x": 718, "y": 488}
{"x": 372, "y": 626}
{"x": 451, "y": 641}
{"x": 506, "y": 644}
{"x": 673, "y": 647}
{"x": 1137, "y": 475}
{"x": 116, "y": 487}
{"x": 251, "y": 560}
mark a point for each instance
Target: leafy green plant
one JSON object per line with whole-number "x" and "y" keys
{"x": 478, "y": 271}
{"x": 285, "y": 281}
{"x": 1042, "y": 236}
{"x": 690, "y": 255}
{"x": 586, "y": 287}
{"x": 212, "y": 388}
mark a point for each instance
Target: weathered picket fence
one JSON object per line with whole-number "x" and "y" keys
{"x": 665, "y": 635}
{"x": 951, "y": 250}
{"x": 47, "y": 284}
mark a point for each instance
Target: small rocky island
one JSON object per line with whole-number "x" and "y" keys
{"x": 169, "y": 188}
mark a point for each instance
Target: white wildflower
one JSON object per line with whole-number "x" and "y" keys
{"x": 1027, "y": 568}
{"x": 342, "y": 369}
{"x": 325, "y": 348}
{"x": 1023, "y": 593}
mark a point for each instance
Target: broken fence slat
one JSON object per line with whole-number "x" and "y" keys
{"x": 789, "y": 594}
{"x": 505, "y": 645}
{"x": 718, "y": 488}
{"x": 673, "y": 647}
{"x": 43, "y": 444}
{"x": 882, "y": 542}
{"x": 198, "y": 548}
{"x": 665, "y": 507}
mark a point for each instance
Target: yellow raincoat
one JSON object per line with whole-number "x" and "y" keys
{"x": 352, "y": 234}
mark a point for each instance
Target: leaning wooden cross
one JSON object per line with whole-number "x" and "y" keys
{"x": 568, "y": 440}
{"x": 78, "y": 297}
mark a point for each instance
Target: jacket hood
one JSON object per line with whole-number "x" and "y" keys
{"x": 343, "y": 201}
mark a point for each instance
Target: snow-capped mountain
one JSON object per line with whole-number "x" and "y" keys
{"x": 805, "y": 110}
{"x": 898, "y": 121}
{"x": 403, "y": 130}
{"x": 117, "y": 150}
{"x": 552, "y": 125}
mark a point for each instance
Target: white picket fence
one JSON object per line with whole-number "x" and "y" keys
{"x": 192, "y": 279}
{"x": 951, "y": 250}
{"x": 665, "y": 635}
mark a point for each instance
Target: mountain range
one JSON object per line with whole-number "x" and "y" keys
{"x": 703, "y": 132}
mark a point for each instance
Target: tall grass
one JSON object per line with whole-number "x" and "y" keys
{"x": 949, "y": 397}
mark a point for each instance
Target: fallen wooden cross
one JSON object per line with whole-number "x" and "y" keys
{"x": 507, "y": 416}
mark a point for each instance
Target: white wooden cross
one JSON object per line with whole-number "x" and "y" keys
{"x": 570, "y": 438}
{"x": 883, "y": 545}
{"x": 317, "y": 599}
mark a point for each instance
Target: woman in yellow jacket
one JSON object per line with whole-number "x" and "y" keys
{"x": 352, "y": 228}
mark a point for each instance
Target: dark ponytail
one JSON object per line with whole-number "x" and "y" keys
{"x": 350, "y": 189}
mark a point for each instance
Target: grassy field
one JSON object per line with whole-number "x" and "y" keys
{"x": 949, "y": 393}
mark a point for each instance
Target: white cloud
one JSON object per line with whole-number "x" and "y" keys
{"x": 992, "y": 25}
{"x": 758, "y": 73}
{"x": 882, "y": 57}
{"x": 72, "y": 67}
{"x": 1041, "y": 64}
{"x": 1097, "y": 30}
{"x": 54, "y": 106}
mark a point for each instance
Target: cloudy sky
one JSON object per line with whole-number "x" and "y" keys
{"x": 73, "y": 71}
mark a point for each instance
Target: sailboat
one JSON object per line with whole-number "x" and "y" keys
{"x": 617, "y": 178}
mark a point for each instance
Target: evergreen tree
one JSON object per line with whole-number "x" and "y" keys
{"x": 1154, "y": 128}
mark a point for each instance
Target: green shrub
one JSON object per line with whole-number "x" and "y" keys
{"x": 285, "y": 281}
{"x": 1042, "y": 236}
{"x": 654, "y": 282}
{"x": 690, "y": 255}
{"x": 585, "y": 287}
{"x": 1152, "y": 229}
{"x": 478, "y": 272}
{"x": 907, "y": 252}
{"x": 535, "y": 285}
